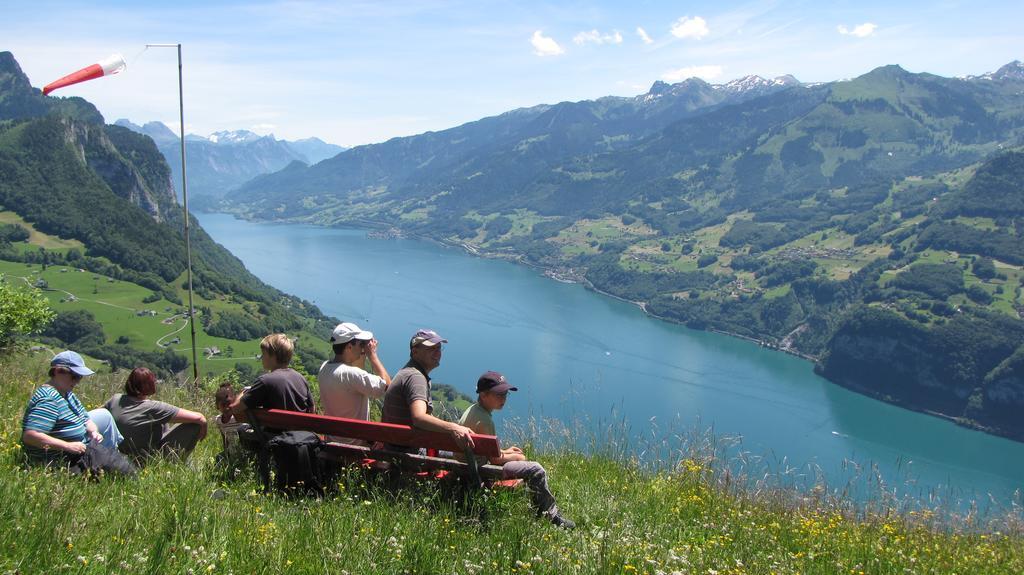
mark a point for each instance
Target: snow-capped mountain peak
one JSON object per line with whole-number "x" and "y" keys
{"x": 753, "y": 82}
{"x": 233, "y": 137}
{"x": 1012, "y": 71}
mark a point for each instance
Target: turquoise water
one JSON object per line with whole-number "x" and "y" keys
{"x": 579, "y": 356}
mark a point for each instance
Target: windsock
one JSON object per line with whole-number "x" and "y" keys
{"x": 111, "y": 65}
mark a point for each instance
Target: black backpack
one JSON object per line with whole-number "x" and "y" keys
{"x": 98, "y": 460}
{"x": 297, "y": 469}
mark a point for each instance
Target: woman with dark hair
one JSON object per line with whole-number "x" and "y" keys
{"x": 145, "y": 423}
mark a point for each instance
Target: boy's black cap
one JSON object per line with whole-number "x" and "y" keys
{"x": 494, "y": 381}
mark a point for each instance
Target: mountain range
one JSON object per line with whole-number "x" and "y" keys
{"x": 688, "y": 139}
{"x": 872, "y": 225}
{"x": 225, "y": 160}
{"x": 532, "y": 139}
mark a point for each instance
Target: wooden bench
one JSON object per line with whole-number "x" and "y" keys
{"x": 380, "y": 436}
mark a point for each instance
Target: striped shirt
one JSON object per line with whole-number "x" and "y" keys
{"x": 60, "y": 417}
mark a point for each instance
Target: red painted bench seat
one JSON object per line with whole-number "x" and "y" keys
{"x": 378, "y": 434}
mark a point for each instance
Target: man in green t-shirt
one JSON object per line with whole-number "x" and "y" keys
{"x": 492, "y": 391}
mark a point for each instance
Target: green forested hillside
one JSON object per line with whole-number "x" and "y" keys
{"x": 96, "y": 202}
{"x": 808, "y": 217}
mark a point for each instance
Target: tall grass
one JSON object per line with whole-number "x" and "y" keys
{"x": 693, "y": 514}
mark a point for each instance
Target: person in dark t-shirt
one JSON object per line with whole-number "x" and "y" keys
{"x": 150, "y": 426}
{"x": 281, "y": 387}
{"x": 407, "y": 400}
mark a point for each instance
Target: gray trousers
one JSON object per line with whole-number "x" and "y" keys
{"x": 536, "y": 479}
{"x": 180, "y": 439}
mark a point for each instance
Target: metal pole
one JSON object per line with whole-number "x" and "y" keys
{"x": 184, "y": 196}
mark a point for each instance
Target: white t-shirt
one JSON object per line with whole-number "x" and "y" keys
{"x": 229, "y": 433}
{"x": 345, "y": 391}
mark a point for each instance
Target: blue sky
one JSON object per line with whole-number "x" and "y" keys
{"x": 361, "y": 72}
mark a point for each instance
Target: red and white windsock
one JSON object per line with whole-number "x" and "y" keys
{"x": 111, "y": 65}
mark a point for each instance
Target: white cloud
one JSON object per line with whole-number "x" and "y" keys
{"x": 643, "y": 35}
{"x": 545, "y": 45}
{"x": 687, "y": 27}
{"x": 861, "y": 30}
{"x": 260, "y": 128}
{"x": 702, "y": 72}
{"x": 595, "y": 37}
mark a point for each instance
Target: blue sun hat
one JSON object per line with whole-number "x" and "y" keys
{"x": 71, "y": 360}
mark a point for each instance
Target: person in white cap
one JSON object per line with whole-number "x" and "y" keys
{"x": 345, "y": 385}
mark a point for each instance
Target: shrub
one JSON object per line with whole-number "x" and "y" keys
{"x": 979, "y": 295}
{"x": 937, "y": 280}
{"x": 984, "y": 268}
{"x": 76, "y": 328}
{"x": 22, "y": 312}
{"x": 706, "y": 260}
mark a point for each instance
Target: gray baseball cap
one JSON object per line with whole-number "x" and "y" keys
{"x": 427, "y": 337}
{"x": 71, "y": 360}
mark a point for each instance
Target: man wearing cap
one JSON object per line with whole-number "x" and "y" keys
{"x": 492, "y": 391}
{"x": 407, "y": 400}
{"x": 345, "y": 386}
{"x": 57, "y": 428}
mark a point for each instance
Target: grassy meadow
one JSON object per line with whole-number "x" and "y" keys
{"x": 115, "y": 303}
{"x": 124, "y": 308}
{"x": 688, "y": 517}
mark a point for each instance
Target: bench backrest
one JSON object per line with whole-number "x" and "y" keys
{"x": 371, "y": 431}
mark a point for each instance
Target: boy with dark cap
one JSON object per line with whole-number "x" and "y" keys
{"x": 492, "y": 391}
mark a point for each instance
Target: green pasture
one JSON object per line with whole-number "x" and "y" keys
{"x": 705, "y": 201}
{"x": 777, "y": 291}
{"x": 647, "y": 255}
{"x": 37, "y": 238}
{"x": 523, "y": 221}
{"x": 706, "y": 239}
{"x": 1005, "y": 302}
{"x": 416, "y": 215}
{"x": 684, "y": 175}
{"x": 941, "y": 257}
{"x": 685, "y": 264}
{"x": 478, "y": 217}
{"x": 956, "y": 179}
{"x": 977, "y": 222}
{"x": 524, "y": 145}
{"x": 574, "y": 249}
{"x": 586, "y": 175}
{"x": 114, "y": 304}
{"x": 817, "y": 245}
{"x": 579, "y": 237}
{"x": 636, "y": 262}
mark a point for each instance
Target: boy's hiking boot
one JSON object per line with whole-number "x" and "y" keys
{"x": 562, "y": 522}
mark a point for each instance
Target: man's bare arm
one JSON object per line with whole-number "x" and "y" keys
{"x": 423, "y": 420}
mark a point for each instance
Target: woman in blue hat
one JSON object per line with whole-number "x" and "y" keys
{"x": 57, "y": 428}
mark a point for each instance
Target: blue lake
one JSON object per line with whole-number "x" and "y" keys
{"x": 577, "y": 356}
